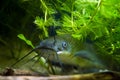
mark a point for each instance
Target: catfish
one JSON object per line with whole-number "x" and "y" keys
{"x": 69, "y": 54}
{"x": 72, "y": 54}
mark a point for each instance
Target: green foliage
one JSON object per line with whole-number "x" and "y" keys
{"x": 94, "y": 19}
{"x": 41, "y": 60}
{"x": 28, "y": 42}
{"x": 79, "y": 17}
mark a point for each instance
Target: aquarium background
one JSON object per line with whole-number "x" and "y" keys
{"x": 24, "y": 23}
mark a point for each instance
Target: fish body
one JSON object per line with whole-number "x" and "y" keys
{"x": 70, "y": 54}
{"x": 67, "y": 55}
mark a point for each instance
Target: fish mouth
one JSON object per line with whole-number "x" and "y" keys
{"x": 46, "y": 48}
{"x": 55, "y": 57}
{"x": 47, "y": 52}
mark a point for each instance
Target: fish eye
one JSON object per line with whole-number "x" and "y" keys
{"x": 64, "y": 44}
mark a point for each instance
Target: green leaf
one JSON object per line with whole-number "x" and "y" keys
{"x": 28, "y": 42}
{"x": 39, "y": 22}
